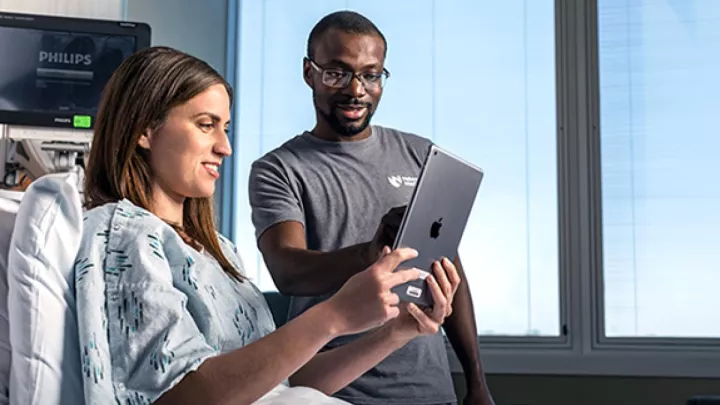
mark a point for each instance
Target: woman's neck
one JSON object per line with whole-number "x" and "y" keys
{"x": 167, "y": 206}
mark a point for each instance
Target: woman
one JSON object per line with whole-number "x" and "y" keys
{"x": 165, "y": 312}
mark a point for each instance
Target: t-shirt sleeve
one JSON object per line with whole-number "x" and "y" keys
{"x": 273, "y": 197}
{"x": 420, "y": 147}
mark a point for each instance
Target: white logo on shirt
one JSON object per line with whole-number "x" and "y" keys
{"x": 397, "y": 181}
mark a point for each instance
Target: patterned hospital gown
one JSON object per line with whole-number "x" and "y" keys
{"x": 151, "y": 309}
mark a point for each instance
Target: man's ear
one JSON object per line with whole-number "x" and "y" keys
{"x": 144, "y": 140}
{"x": 307, "y": 72}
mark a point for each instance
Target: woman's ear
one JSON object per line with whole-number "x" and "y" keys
{"x": 144, "y": 140}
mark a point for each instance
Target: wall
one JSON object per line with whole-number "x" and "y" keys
{"x": 104, "y": 9}
{"x": 196, "y": 27}
{"x": 577, "y": 390}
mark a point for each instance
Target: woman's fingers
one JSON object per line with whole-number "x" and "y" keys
{"x": 440, "y": 302}
{"x": 452, "y": 273}
{"x": 425, "y": 323}
{"x": 442, "y": 279}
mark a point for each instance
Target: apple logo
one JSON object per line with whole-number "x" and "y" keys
{"x": 435, "y": 228}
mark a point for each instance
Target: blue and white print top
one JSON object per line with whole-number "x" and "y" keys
{"x": 151, "y": 309}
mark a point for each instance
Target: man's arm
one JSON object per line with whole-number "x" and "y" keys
{"x": 302, "y": 272}
{"x": 462, "y": 333}
{"x": 278, "y": 217}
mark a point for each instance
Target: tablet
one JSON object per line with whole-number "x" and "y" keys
{"x": 436, "y": 216}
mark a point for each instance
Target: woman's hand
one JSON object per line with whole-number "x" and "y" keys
{"x": 414, "y": 321}
{"x": 366, "y": 300}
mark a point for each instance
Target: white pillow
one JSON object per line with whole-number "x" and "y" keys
{"x": 9, "y": 203}
{"x": 46, "y": 365}
{"x": 284, "y": 395}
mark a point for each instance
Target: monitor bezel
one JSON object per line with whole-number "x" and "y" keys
{"x": 141, "y": 32}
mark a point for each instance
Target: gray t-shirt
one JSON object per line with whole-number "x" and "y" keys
{"x": 339, "y": 191}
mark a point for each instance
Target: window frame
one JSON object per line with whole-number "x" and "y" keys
{"x": 602, "y": 341}
{"x": 226, "y": 193}
{"x": 582, "y": 347}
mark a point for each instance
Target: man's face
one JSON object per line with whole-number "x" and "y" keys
{"x": 347, "y": 109}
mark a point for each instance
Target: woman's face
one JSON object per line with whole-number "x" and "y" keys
{"x": 187, "y": 150}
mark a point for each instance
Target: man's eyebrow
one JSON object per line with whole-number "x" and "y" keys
{"x": 344, "y": 65}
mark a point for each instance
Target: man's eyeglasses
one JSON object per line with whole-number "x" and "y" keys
{"x": 340, "y": 78}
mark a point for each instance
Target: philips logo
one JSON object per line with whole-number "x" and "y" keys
{"x": 65, "y": 58}
{"x": 63, "y": 120}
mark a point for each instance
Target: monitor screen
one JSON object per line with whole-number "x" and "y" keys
{"x": 53, "y": 69}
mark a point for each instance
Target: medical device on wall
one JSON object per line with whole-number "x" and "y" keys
{"x": 52, "y": 74}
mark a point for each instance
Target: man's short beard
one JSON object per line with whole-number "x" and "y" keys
{"x": 343, "y": 130}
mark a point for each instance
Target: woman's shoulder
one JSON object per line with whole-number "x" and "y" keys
{"x": 125, "y": 223}
{"x": 122, "y": 212}
{"x": 132, "y": 233}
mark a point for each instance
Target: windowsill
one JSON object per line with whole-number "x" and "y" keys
{"x": 624, "y": 363}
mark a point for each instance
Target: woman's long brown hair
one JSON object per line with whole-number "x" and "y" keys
{"x": 138, "y": 97}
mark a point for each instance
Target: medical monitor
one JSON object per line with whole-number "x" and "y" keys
{"x": 53, "y": 69}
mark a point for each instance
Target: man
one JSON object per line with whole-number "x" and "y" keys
{"x": 317, "y": 201}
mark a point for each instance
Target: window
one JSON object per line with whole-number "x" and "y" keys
{"x": 660, "y": 194}
{"x": 476, "y": 77}
{"x": 479, "y": 78}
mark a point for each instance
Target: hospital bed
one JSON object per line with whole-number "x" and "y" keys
{"x": 40, "y": 231}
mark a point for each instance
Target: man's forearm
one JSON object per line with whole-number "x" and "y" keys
{"x": 461, "y": 331}
{"x": 312, "y": 273}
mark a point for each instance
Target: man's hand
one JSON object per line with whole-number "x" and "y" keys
{"x": 478, "y": 396}
{"x": 385, "y": 234}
